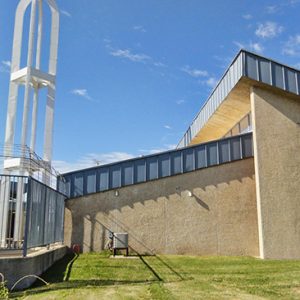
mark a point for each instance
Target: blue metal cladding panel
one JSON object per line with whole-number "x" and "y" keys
{"x": 127, "y": 173}
{"x": 78, "y": 184}
{"x": 176, "y": 163}
{"x": 68, "y": 187}
{"x": 212, "y": 154}
{"x": 115, "y": 172}
{"x": 158, "y": 166}
{"x": 251, "y": 66}
{"x": 235, "y": 148}
{"x": 277, "y": 76}
{"x": 140, "y": 170}
{"x": 247, "y": 146}
{"x": 291, "y": 80}
{"x": 200, "y": 157}
{"x": 64, "y": 185}
{"x": 188, "y": 160}
{"x": 91, "y": 182}
{"x": 152, "y": 168}
{"x": 224, "y": 151}
{"x": 265, "y": 71}
{"x": 164, "y": 165}
{"x": 104, "y": 179}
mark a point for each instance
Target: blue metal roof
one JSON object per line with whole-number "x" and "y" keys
{"x": 249, "y": 65}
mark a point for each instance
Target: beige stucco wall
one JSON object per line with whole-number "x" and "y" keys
{"x": 276, "y": 119}
{"x": 218, "y": 217}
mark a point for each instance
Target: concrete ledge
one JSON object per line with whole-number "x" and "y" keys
{"x": 13, "y": 268}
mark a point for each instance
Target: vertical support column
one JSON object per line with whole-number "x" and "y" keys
{"x": 11, "y": 119}
{"x": 51, "y": 88}
{"x": 18, "y": 232}
{"x": 37, "y": 64}
{"x": 48, "y": 134}
{"x": 28, "y": 75}
{"x": 28, "y": 217}
{"x": 40, "y": 35}
{"x": 4, "y": 207}
{"x": 15, "y": 66}
{"x": 19, "y": 204}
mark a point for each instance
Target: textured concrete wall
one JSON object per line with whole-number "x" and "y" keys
{"x": 210, "y": 211}
{"x": 14, "y": 268}
{"x": 276, "y": 119}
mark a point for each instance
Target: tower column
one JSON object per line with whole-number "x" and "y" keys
{"x": 33, "y": 79}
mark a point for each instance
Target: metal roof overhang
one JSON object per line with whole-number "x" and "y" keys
{"x": 230, "y": 100}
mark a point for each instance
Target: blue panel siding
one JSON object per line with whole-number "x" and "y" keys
{"x": 158, "y": 166}
{"x": 224, "y": 151}
{"x": 264, "y": 71}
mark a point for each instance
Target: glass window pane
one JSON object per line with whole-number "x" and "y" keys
{"x": 91, "y": 182}
{"x": 224, "y": 151}
{"x": 164, "y": 165}
{"x": 235, "y": 130}
{"x": 78, "y": 184}
{"x": 244, "y": 125}
{"x": 188, "y": 160}
{"x": 247, "y": 146}
{"x": 176, "y": 164}
{"x": 212, "y": 154}
{"x": 115, "y": 176}
{"x": 140, "y": 171}
{"x": 152, "y": 168}
{"x": 200, "y": 155}
{"x": 104, "y": 179}
{"x": 128, "y": 173}
{"x": 235, "y": 148}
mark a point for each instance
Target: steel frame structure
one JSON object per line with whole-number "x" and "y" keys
{"x": 33, "y": 78}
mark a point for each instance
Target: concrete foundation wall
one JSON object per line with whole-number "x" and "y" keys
{"x": 14, "y": 268}
{"x": 208, "y": 212}
{"x": 276, "y": 119}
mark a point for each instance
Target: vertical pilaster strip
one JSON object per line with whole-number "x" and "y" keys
{"x": 257, "y": 174}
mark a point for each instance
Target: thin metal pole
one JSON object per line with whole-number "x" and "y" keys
{"x": 28, "y": 216}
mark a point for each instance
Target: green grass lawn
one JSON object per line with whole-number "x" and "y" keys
{"x": 97, "y": 276}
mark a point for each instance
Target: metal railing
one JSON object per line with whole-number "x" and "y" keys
{"x": 157, "y": 166}
{"x": 31, "y": 213}
{"x": 38, "y": 168}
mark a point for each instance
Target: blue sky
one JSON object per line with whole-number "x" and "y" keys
{"x": 132, "y": 74}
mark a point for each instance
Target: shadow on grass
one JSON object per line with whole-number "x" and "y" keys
{"x": 59, "y": 272}
{"x": 77, "y": 284}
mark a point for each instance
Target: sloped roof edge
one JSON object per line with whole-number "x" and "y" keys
{"x": 250, "y": 65}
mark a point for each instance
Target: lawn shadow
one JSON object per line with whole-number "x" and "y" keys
{"x": 77, "y": 284}
{"x": 59, "y": 271}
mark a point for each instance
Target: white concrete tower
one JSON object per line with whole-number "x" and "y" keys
{"x": 33, "y": 79}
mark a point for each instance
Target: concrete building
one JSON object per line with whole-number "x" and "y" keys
{"x": 232, "y": 187}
